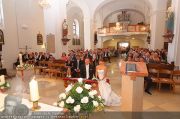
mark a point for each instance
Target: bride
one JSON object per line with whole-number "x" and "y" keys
{"x": 111, "y": 99}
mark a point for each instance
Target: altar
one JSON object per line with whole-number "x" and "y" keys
{"x": 44, "y": 107}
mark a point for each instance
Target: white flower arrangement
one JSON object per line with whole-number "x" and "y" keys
{"x": 25, "y": 67}
{"x": 3, "y": 83}
{"x": 80, "y": 98}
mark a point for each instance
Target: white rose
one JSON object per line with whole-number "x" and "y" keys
{"x": 79, "y": 90}
{"x": 62, "y": 96}
{"x": 77, "y": 108}
{"x": 91, "y": 94}
{"x": 85, "y": 100}
{"x": 80, "y": 80}
{"x": 70, "y": 100}
{"x": 87, "y": 86}
{"x": 61, "y": 104}
{"x": 95, "y": 103}
{"x": 68, "y": 88}
{"x": 94, "y": 92}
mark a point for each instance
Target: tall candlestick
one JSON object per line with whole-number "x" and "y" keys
{"x": 20, "y": 59}
{"x": 34, "y": 91}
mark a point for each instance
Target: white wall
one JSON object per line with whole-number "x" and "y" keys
{"x": 23, "y": 20}
{"x": 54, "y": 17}
{"x": 10, "y": 49}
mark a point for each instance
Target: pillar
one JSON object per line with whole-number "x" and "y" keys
{"x": 54, "y": 17}
{"x": 157, "y": 22}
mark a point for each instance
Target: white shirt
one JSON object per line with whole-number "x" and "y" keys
{"x": 87, "y": 71}
{"x": 77, "y": 64}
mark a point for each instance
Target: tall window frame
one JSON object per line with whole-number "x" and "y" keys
{"x": 76, "y": 28}
{"x": 1, "y": 15}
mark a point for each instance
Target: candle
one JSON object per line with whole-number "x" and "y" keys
{"x": 34, "y": 91}
{"x": 20, "y": 59}
{"x": 2, "y": 80}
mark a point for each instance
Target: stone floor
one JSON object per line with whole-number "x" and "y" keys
{"x": 50, "y": 88}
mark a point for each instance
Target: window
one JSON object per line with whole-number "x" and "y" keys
{"x": 76, "y": 28}
{"x": 1, "y": 15}
{"x": 76, "y": 40}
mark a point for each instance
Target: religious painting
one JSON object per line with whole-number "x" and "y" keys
{"x": 51, "y": 43}
{"x": 39, "y": 39}
{"x": 1, "y": 37}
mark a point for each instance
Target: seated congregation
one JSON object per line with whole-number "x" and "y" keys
{"x": 160, "y": 71}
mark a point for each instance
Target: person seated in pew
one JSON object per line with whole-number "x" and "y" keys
{"x": 41, "y": 56}
{"x": 69, "y": 68}
{"x": 76, "y": 67}
{"x": 147, "y": 79}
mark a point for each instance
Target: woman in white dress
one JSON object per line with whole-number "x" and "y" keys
{"x": 110, "y": 98}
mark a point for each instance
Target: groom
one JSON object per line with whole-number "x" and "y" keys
{"x": 87, "y": 69}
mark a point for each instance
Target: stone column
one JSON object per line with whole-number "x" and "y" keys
{"x": 87, "y": 33}
{"x": 158, "y": 17}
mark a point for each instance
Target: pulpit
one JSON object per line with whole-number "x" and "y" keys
{"x": 133, "y": 86}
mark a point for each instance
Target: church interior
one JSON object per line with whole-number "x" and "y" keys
{"x": 86, "y": 55}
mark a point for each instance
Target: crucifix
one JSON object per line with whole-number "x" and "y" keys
{"x": 26, "y": 48}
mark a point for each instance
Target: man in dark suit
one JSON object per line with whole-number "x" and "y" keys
{"x": 25, "y": 57}
{"x": 106, "y": 55}
{"x": 76, "y": 66}
{"x": 87, "y": 55}
{"x": 87, "y": 70}
{"x": 41, "y": 57}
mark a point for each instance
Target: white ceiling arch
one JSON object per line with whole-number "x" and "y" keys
{"x": 83, "y": 6}
{"x": 105, "y": 2}
{"x": 107, "y": 7}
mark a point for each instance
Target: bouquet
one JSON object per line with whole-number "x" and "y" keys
{"x": 4, "y": 86}
{"x": 80, "y": 98}
{"x": 25, "y": 67}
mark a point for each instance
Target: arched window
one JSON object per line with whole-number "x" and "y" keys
{"x": 76, "y": 27}
{"x": 76, "y": 40}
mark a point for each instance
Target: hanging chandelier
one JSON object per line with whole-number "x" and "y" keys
{"x": 44, "y": 3}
